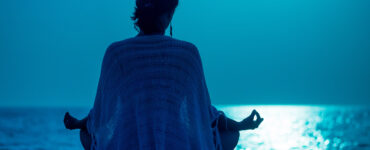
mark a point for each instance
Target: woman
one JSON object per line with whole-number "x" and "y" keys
{"x": 152, "y": 93}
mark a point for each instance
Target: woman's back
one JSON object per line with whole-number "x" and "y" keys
{"x": 152, "y": 95}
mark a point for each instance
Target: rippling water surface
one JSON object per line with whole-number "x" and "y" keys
{"x": 284, "y": 127}
{"x": 305, "y": 127}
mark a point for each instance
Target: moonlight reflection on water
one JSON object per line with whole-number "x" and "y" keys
{"x": 304, "y": 127}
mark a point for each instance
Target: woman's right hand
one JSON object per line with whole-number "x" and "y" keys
{"x": 249, "y": 122}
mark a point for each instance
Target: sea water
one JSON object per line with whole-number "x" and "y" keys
{"x": 284, "y": 127}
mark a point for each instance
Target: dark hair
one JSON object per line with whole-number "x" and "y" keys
{"x": 147, "y": 12}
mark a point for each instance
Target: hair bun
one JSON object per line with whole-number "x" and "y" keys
{"x": 147, "y": 12}
{"x": 144, "y": 3}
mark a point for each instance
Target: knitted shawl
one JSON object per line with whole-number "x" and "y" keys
{"x": 152, "y": 94}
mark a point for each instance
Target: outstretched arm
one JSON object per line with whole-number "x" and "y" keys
{"x": 248, "y": 123}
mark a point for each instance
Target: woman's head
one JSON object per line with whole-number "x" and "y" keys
{"x": 154, "y": 16}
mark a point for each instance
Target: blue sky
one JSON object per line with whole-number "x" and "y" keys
{"x": 254, "y": 51}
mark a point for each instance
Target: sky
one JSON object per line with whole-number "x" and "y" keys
{"x": 253, "y": 51}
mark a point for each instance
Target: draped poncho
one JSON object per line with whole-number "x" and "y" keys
{"x": 152, "y": 94}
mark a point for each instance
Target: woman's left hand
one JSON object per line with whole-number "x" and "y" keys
{"x": 249, "y": 122}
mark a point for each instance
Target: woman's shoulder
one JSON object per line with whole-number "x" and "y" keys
{"x": 185, "y": 44}
{"x": 153, "y": 39}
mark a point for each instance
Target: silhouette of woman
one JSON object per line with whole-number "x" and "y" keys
{"x": 152, "y": 93}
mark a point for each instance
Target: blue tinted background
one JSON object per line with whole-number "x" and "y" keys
{"x": 253, "y": 51}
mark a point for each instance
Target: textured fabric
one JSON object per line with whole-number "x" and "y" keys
{"x": 152, "y": 94}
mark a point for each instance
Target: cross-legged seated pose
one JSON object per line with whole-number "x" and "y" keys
{"x": 228, "y": 128}
{"x": 152, "y": 94}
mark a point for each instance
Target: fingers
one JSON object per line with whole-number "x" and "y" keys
{"x": 66, "y": 118}
{"x": 258, "y": 121}
{"x": 258, "y": 116}
{"x": 251, "y": 116}
{"x": 250, "y": 123}
{"x": 253, "y": 113}
{"x": 66, "y": 115}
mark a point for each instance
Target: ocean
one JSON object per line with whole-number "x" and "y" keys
{"x": 284, "y": 127}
